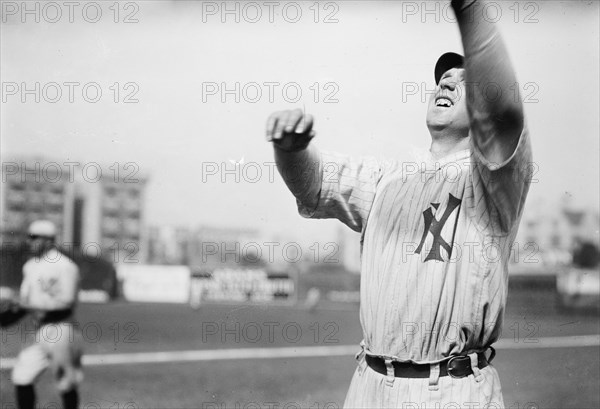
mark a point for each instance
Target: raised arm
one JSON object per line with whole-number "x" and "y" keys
{"x": 499, "y": 137}
{"x": 496, "y": 116}
{"x": 325, "y": 185}
{"x": 298, "y": 162}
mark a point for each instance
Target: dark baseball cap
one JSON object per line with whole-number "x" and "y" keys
{"x": 445, "y": 62}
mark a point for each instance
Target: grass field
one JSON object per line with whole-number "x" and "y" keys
{"x": 533, "y": 373}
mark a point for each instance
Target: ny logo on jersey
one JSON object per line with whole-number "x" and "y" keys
{"x": 49, "y": 286}
{"x": 435, "y": 226}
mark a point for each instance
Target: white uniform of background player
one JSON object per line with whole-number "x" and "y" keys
{"x": 436, "y": 237}
{"x": 49, "y": 292}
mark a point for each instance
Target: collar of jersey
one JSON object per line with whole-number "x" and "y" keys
{"x": 437, "y": 164}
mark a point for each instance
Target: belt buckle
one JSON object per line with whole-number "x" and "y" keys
{"x": 451, "y": 369}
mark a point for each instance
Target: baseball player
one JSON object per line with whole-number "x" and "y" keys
{"x": 435, "y": 237}
{"x": 49, "y": 293}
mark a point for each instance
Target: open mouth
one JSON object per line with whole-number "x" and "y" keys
{"x": 443, "y": 102}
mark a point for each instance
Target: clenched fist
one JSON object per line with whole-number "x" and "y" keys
{"x": 290, "y": 131}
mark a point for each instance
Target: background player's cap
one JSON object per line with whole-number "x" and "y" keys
{"x": 445, "y": 62}
{"x": 43, "y": 228}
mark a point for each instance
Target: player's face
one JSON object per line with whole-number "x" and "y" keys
{"x": 38, "y": 244}
{"x": 447, "y": 105}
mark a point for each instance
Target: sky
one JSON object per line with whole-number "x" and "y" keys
{"x": 361, "y": 69}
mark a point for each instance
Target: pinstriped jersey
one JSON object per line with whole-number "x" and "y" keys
{"x": 435, "y": 244}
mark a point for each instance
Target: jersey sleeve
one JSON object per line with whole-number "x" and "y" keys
{"x": 69, "y": 285}
{"x": 25, "y": 288}
{"x": 500, "y": 189}
{"x": 347, "y": 190}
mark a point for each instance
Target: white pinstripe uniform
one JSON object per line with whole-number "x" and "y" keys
{"x": 50, "y": 283}
{"x": 435, "y": 247}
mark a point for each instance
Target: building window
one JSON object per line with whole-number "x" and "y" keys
{"x": 17, "y": 185}
{"x": 16, "y": 207}
{"x": 17, "y": 197}
{"x": 112, "y": 225}
{"x": 134, "y": 194}
{"x": 56, "y": 189}
{"x": 111, "y": 191}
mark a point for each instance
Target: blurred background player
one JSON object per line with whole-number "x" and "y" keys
{"x": 195, "y": 293}
{"x": 313, "y": 296}
{"x": 49, "y": 293}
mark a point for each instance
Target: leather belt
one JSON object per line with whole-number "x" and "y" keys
{"x": 55, "y": 316}
{"x": 458, "y": 366}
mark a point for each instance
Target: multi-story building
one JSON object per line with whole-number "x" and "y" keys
{"x": 34, "y": 189}
{"x": 111, "y": 215}
{"x": 101, "y": 215}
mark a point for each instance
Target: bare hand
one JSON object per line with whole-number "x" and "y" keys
{"x": 290, "y": 131}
